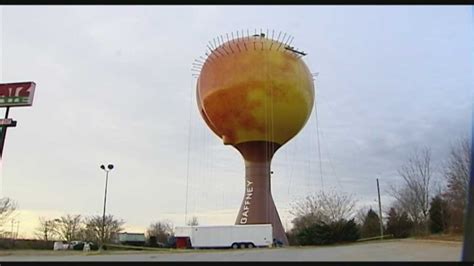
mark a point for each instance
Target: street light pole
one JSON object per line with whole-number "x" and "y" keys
{"x": 109, "y": 168}
{"x": 105, "y": 202}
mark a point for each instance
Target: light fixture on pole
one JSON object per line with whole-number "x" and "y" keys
{"x": 107, "y": 170}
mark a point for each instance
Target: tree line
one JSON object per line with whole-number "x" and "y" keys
{"x": 76, "y": 227}
{"x": 426, "y": 200}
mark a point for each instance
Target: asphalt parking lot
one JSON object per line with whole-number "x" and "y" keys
{"x": 390, "y": 250}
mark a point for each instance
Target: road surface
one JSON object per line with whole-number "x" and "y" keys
{"x": 390, "y": 250}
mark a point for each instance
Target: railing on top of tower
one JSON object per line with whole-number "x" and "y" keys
{"x": 221, "y": 47}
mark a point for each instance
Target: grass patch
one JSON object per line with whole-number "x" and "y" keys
{"x": 113, "y": 247}
{"x": 34, "y": 252}
{"x": 442, "y": 237}
{"x": 340, "y": 244}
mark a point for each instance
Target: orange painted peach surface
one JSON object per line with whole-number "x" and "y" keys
{"x": 254, "y": 90}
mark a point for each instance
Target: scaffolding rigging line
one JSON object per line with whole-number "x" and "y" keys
{"x": 293, "y": 155}
{"x": 331, "y": 111}
{"x": 189, "y": 154}
{"x": 319, "y": 146}
{"x": 330, "y": 163}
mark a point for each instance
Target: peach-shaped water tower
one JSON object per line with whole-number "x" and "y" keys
{"x": 256, "y": 93}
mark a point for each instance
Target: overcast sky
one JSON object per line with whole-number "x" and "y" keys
{"x": 114, "y": 85}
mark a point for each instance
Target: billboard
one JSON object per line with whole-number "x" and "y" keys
{"x": 17, "y": 94}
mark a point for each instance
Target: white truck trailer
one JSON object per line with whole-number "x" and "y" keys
{"x": 224, "y": 236}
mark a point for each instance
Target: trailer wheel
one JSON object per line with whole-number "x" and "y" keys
{"x": 250, "y": 245}
{"x": 235, "y": 246}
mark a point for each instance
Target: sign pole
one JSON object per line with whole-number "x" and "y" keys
{"x": 4, "y": 133}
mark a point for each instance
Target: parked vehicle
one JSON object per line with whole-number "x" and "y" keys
{"x": 171, "y": 242}
{"x": 61, "y": 245}
{"x": 74, "y": 245}
{"x": 224, "y": 236}
{"x": 277, "y": 243}
{"x": 135, "y": 239}
{"x": 86, "y": 246}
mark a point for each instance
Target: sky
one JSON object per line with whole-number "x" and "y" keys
{"x": 114, "y": 85}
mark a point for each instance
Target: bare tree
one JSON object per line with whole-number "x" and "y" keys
{"x": 161, "y": 230}
{"x": 456, "y": 173}
{"x": 413, "y": 196}
{"x": 92, "y": 230}
{"x": 7, "y": 208}
{"x": 47, "y": 228}
{"x": 193, "y": 221}
{"x": 69, "y": 227}
{"x": 327, "y": 207}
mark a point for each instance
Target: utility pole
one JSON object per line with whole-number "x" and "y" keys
{"x": 468, "y": 243}
{"x": 17, "y": 229}
{"x": 11, "y": 234}
{"x": 380, "y": 211}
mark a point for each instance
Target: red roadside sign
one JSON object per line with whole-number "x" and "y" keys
{"x": 17, "y": 94}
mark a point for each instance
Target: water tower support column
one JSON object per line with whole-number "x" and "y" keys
{"x": 258, "y": 206}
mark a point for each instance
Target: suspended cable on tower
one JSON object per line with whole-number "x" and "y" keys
{"x": 188, "y": 158}
{"x": 319, "y": 146}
